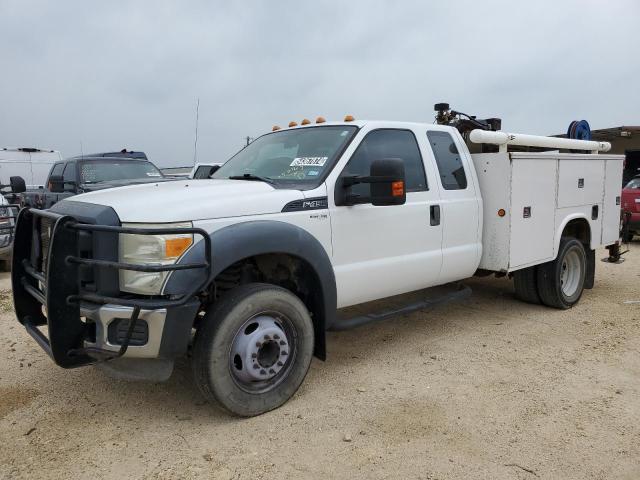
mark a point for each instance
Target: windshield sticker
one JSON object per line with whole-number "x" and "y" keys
{"x": 312, "y": 173}
{"x": 309, "y": 161}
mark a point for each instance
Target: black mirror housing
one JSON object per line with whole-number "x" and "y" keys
{"x": 56, "y": 183}
{"x": 388, "y": 185}
{"x": 386, "y": 177}
{"x": 17, "y": 185}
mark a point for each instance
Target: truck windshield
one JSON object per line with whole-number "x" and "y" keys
{"x": 114, "y": 170}
{"x": 292, "y": 157}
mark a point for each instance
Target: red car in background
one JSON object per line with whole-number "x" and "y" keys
{"x": 631, "y": 203}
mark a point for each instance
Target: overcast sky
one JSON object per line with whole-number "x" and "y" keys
{"x": 108, "y": 75}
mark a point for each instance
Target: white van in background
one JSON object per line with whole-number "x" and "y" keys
{"x": 32, "y": 164}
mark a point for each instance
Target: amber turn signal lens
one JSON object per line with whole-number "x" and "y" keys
{"x": 349, "y": 118}
{"x": 275, "y": 128}
{"x": 397, "y": 189}
{"x": 305, "y": 121}
{"x": 293, "y": 124}
{"x": 501, "y": 212}
{"x": 174, "y": 247}
{"x": 320, "y": 120}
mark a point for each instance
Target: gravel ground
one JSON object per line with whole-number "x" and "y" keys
{"x": 488, "y": 388}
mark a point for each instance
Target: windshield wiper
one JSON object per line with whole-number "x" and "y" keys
{"x": 251, "y": 176}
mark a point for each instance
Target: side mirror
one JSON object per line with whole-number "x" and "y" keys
{"x": 388, "y": 187}
{"x": 17, "y": 185}
{"x": 386, "y": 178}
{"x": 56, "y": 183}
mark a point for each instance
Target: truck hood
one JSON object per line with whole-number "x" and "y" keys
{"x": 190, "y": 200}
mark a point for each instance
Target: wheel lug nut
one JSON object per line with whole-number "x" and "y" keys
{"x": 258, "y": 344}
{"x": 263, "y": 372}
{"x": 267, "y": 337}
{"x": 280, "y": 364}
{"x": 272, "y": 371}
{"x": 254, "y": 355}
{"x": 276, "y": 337}
{"x": 256, "y": 366}
{"x": 283, "y": 353}
{"x": 282, "y": 342}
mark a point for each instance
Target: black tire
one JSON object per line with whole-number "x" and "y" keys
{"x": 225, "y": 325}
{"x": 525, "y": 282}
{"x": 571, "y": 258}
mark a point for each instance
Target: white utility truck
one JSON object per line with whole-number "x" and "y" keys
{"x": 251, "y": 267}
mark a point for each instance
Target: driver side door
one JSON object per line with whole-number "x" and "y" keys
{"x": 380, "y": 251}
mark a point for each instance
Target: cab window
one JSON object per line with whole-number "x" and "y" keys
{"x": 203, "y": 171}
{"x": 57, "y": 169}
{"x": 448, "y": 159}
{"x": 69, "y": 174}
{"x": 388, "y": 143}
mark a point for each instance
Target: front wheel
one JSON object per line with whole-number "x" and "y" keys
{"x": 561, "y": 282}
{"x": 253, "y": 349}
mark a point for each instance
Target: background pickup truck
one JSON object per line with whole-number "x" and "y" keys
{"x": 86, "y": 174}
{"x": 251, "y": 266}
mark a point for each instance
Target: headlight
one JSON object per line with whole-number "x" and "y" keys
{"x": 150, "y": 250}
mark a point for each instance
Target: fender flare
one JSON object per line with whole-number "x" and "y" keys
{"x": 563, "y": 225}
{"x": 257, "y": 237}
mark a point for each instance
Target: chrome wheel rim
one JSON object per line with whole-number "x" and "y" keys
{"x": 262, "y": 352}
{"x": 571, "y": 274}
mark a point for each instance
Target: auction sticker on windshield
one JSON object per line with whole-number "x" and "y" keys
{"x": 309, "y": 161}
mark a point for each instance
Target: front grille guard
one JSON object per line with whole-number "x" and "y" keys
{"x": 56, "y": 285}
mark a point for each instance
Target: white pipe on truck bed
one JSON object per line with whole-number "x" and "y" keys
{"x": 504, "y": 138}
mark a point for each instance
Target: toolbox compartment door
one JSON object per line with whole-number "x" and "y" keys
{"x": 612, "y": 201}
{"x": 533, "y": 198}
{"x": 580, "y": 182}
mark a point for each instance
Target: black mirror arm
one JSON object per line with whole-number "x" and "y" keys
{"x": 355, "y": 179}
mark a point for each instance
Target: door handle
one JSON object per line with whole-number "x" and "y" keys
{"x": 434, "y": 211}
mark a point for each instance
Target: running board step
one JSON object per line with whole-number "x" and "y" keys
{"x": 460, "y": 292}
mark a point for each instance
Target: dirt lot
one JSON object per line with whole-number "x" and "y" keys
{"x": 489, "y": 388}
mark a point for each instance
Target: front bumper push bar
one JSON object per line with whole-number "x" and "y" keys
{"x": 47, "y": 261}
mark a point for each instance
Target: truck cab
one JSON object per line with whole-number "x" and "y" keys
{"x": 249, "y": 268}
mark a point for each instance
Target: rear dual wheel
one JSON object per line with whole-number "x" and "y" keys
{"x": 561, "y": 282}
{"x": 558, "y": 283}
{"x": 253, "y": 349}
{"x": 525, "y": 282}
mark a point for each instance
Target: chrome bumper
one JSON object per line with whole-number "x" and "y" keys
{"x": 104, "y": 315}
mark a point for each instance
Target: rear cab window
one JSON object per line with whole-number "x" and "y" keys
{"x": 448, "y": 159}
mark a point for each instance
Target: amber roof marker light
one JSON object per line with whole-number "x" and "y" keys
{"x": 293, "y": 124}
{"x": 305, "y": 121}
{"x": 275, "y": 128}
{"x": 320, "y": 120}
{"x": 349, "y": 118}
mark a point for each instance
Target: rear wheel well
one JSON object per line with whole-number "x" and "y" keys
{"x": 285, "y": 270}
{"x": 578, "y": 228}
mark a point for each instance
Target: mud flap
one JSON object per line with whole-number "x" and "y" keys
{"x": 590, "y": 274}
